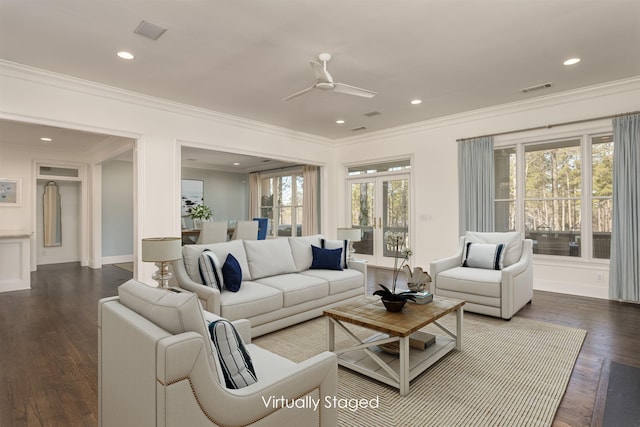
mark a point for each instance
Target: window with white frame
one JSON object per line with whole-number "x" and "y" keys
{"x": 558, "y": 193}
{"x": 281, "y": 201}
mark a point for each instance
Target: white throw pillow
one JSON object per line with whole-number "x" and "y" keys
{"x": 484, "y": 255}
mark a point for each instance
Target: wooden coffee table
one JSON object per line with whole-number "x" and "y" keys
{"x": 365, "y": 357}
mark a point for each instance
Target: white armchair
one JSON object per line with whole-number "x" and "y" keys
{"x": 499, "y": 293}
{"x": 157, "y": 367}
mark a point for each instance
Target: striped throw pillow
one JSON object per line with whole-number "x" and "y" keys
{"x": 484, "y": 255}
{"x": 235, "y": 361}
{"x": 210, "y": 270}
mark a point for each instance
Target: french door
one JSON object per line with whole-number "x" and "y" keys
{"x": 379, "y": 205}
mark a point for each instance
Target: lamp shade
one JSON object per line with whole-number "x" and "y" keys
{"x": 157, "y": 249}
{"x": 351, "y": 234}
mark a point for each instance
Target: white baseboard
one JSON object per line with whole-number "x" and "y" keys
{"x": 117, "y": 259}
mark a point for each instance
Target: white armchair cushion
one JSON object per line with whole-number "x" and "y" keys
{"x": 235, "y": 361}
{"x": 512, "y": 239}
{"x": 484, "y": 255}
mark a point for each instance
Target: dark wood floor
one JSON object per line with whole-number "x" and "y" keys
{"x": 48, "y": 345}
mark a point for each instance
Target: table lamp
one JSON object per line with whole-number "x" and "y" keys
{"x": 352, "y": 235}
{"x": 161, "y": 250}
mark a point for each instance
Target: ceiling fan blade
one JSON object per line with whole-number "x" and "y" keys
{"x": 302, "y": 92}
{"x": 322, "y": 75}
{"x": 352, "y": 90}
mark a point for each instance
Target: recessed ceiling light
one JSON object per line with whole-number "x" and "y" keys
{"x": 571, "y": 61}
{"x": 236, "y": 164}
{"x": 125, "y": 55}
{"x": 416, "y": 102}
{"x": 340, "y": 121}
{"x": 44, "y": 139}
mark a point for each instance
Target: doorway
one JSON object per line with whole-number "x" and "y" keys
{"x": 379, "y": 206}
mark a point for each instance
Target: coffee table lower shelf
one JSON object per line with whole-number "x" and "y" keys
{"x": 419, "y": 360}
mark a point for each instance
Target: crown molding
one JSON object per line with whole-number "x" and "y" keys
{"x": 588, "y": 92}
{"x": 65, "y": 82}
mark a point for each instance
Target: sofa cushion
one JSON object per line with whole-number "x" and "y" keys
{"x": 301, "y": 250}
{"x": 252, "y": 300}
{"x": 269, "y": 257}
{"x": 339, "y": 281}
{"x": 512, "y": 239}
{"x": 473, "y": 281}
{"x": 329, "y": 259}
{"x": 232, "y": 273}
{"x": 191, "y": 253}
{"x": 297, "y": 288}
{"x": 210, "y": 270}
{"x": 484, "y": 255}
{"x": 237, "y": 367}
{"x": 334, "y": 244}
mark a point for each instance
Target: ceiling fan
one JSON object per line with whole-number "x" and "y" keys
{"x": 324, "y": 81}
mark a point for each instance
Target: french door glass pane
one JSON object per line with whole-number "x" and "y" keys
{"x": 395, "y": 208}
{"x": 298, "y": 221}
{"x": 362, "y": 215}
{"x": 285, "y": 191}
{"x": 601, "y": 226}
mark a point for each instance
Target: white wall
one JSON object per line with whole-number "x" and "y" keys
{"x": 433, "y": 146}
{"x": 33, "y": 95}
{"x": 227, "y": 193}
{"x": 159, "y": 126}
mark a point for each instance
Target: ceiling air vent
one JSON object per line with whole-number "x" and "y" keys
{"x": 537, "y": 87}
{"x": 358, "y": 129}
{"x": 149, "y": 30}
{"x": 372, "y": 113}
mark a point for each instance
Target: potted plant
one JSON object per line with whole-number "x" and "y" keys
{"x": 200, "y": 213}
{"x": 392, "y": 300}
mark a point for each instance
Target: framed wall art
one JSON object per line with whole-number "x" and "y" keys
{"x": 10, "y": 192}
{"x": 192, "y": 194}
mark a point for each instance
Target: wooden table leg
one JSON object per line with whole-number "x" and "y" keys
{"x": 404, "y": 366}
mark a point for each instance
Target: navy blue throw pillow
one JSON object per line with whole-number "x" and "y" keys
{"x": 232, "y": 274}
{"x": 326, "y": 259}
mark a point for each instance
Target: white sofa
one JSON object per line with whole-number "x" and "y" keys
{"x": 499, "y": 293}
{"x": 278, "y": 287}
{"x": 157, "y": 367}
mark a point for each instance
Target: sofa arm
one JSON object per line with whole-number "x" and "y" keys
{"x": 189, "y": 392}
{"x": 440, "y": 265}
{"x": 517, "y": 282}
{"x": 209, "y": 297}
{"x": 361, "y": 266}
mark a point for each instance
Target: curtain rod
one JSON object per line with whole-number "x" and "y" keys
{"x": 574, "y": 122}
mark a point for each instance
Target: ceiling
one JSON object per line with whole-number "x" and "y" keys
{"x": 243, "y": 57}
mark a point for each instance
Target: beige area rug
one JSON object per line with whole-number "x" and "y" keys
{"x": 509, "y": 373}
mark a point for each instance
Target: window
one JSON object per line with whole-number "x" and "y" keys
{"x": 505, "y": 189}
{"x": 281, "y": 202}
{"x": 602, "y": 192}
{"x": 565, "y": 201}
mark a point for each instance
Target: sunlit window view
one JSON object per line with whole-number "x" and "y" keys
{"x": 281, "y": 201}
{"x": 554, "y": 207}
